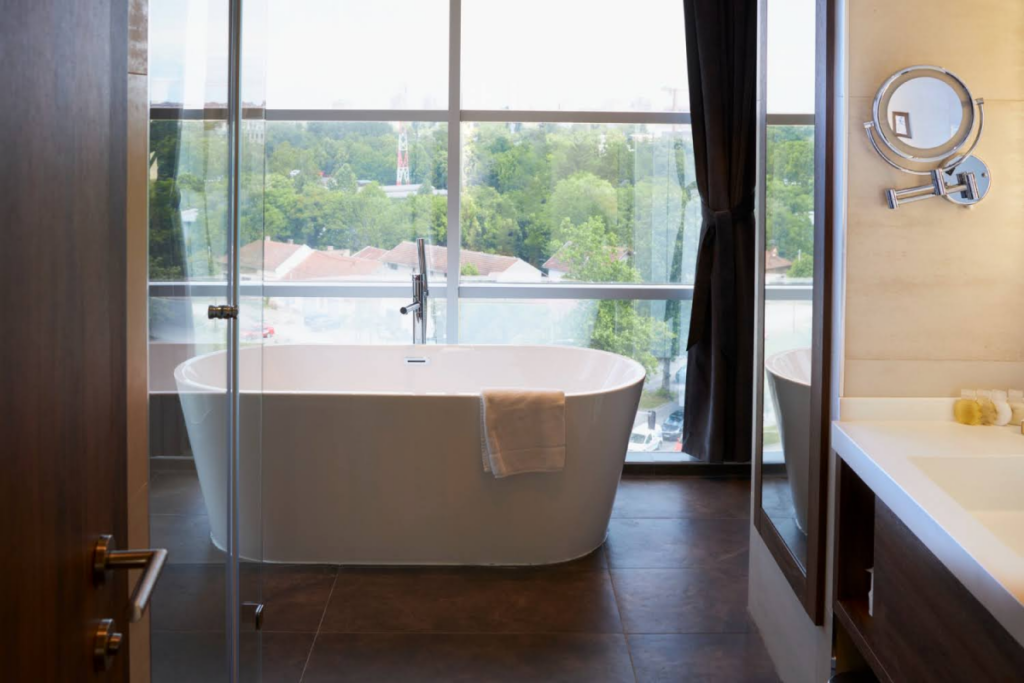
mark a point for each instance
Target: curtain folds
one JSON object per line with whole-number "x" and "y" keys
{"x": 721, "y": 53}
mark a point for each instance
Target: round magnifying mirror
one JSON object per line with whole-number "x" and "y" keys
{"x": 924, "y": 113}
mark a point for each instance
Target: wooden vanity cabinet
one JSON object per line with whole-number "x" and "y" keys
{"x": 924, "y": 625}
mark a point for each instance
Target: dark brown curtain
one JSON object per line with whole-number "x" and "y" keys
{"x": 721, "y": 53}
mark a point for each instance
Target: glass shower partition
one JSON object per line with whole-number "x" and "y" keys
{"x": 247, "y": 113}
{"x": 206, "y": 335}
{"x": 188, "y": 250}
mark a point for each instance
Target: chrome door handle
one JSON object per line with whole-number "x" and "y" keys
{"x": 105, "y": 558}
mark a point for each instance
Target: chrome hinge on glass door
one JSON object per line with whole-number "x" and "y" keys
{"x": 222, "y": 312}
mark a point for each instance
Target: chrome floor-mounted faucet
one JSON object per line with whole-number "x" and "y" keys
{"x": 420, "y": 293}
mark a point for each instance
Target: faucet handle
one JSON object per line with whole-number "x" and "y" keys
{"x": 421, "y": 258}
{"x": 417, "y": 296}
{"x": 418, "y": 287}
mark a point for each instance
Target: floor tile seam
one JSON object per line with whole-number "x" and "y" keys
{"x": 622, "y": 623}
{"x": 690, "y": 633}
{"x": 323, "y": 615}
{"x": 508, "y": 572}
{"x": 215, "y": 631}
{"x": 624, "y": 632}
{"x": 728, "y": 632}
{"x": 712, "y": 567}
{"x": 695, "y": 518}
{"x": 472, "y": 633}
{"x": 178, "y": 514}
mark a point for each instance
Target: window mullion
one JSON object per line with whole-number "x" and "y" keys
{"x": 454, "y": 166}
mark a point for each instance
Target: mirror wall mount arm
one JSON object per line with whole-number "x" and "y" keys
{"x": 966, "y": 186}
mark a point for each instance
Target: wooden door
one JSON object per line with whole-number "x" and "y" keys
{"x": 63, "y": 75}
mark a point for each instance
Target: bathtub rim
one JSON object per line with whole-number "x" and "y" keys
{"x": 183, "y": 383}
{"x": 771, "y": 368}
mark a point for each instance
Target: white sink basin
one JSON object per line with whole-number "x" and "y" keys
{"x": 989, "y": 488}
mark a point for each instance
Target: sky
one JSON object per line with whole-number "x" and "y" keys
{"x": 576, "y": 55}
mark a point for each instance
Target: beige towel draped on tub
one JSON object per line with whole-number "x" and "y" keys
{"x": 522, "y": 431}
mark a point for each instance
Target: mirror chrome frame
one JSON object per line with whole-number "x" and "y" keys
{"x": 966, "y": 99}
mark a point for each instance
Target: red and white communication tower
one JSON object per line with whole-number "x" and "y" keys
{"x": 402, "y": 172}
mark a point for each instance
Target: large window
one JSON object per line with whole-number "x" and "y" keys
{"x": 357, "y": 55}
{"x": 543, "y": 151}
{"x": 574, "y": 55}
{"x": 582, "y": 202}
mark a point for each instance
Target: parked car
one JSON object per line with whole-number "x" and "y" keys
{"x": 256, "y": 331}
{"x": 672, "y": 428}
{"x": 645, "y": 439}
{"x": 318, "y": 322}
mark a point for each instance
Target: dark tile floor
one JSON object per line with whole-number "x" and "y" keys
{"x": 663, "y": 600}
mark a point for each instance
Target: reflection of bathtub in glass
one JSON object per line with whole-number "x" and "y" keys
{"x": 789, "y": 380}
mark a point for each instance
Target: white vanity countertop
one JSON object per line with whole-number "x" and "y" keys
{"x": 959, "y": 489}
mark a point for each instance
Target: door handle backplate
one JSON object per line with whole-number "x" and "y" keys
{"x": 106, "y": 644}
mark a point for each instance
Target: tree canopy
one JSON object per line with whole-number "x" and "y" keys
{"x": 617, "y": 203}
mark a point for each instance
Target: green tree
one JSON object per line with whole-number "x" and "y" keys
{"x": 489, "y": 221}
{"x": 789, "y": 226}
{"x": 619, "y": 326}
{"x": 530, "y": 190}
{"x": 803, "y": 266}
{"x": 580, "y": 197}
{"x": 592, "y": 256}
{"x": 576, "y": 149}
{"x": 294, "y": 162}
{"x": 790, "y": 190}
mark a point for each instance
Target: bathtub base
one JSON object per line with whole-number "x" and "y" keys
{"x": 554, "y": 563}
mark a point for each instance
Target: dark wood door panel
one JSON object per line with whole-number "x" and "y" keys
{"x": 62, "y": 331}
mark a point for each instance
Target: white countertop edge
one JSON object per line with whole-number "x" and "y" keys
{"x": 986, "y": 588}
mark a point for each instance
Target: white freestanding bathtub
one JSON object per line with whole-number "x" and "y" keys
{"x": 372, "y": 454}
{"x": 789, "y": 379}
